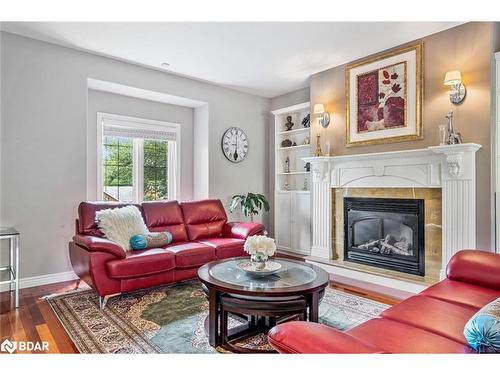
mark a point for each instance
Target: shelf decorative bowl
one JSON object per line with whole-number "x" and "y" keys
{"x": 255, "y": 269}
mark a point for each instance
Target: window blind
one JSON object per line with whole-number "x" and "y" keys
{"x": 111, "y": 130}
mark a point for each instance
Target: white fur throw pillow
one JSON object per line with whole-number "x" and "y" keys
{"x": 119, "y": 224}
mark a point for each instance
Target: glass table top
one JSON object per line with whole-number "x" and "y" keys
{"x": 291, "y": 274}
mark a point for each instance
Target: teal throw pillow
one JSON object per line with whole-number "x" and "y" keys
{"x": 482, "y": 331}
{"x": 149, "y": 240}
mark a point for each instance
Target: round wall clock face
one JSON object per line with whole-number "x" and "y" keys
{"x": 235, "y": 144}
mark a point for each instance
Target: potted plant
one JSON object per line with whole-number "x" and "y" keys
{"x": 250, "y": 204}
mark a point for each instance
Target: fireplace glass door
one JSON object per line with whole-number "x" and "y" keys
{"x": 386, "y": 233}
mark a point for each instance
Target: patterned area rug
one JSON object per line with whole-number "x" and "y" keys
{"x": 170, "y": 319}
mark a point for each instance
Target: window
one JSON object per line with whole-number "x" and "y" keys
{"x": 137, "y": 159}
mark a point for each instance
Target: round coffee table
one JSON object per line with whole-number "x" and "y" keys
{"x": 294, "y": 292}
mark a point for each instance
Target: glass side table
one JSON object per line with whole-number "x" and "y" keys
{"x": 12, "y": 235}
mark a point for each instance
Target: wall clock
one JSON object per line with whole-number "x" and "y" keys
{"x": 235, "y": 144}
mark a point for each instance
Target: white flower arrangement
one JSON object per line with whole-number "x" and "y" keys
{"x": 260, "y": 245}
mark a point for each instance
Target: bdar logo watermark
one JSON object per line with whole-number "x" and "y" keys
{"x": 8, "y": 346}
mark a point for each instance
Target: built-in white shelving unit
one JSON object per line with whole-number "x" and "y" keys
{"x": 292, "y": 173}
{"x": 293, "y": 148}
{"x": 292, "y": 201}
{"x": 294, "y": 131}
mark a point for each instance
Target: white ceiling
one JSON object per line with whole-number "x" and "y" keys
{"x": 266, "y": 59}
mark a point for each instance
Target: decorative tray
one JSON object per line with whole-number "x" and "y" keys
{"x": 251, "y": 268}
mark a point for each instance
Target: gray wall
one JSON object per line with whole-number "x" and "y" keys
{"x": 99, "y": 101}
{"x": 467, "y": 48}
{"x": 44, "y": 131}
{"x": 282, "y": 101}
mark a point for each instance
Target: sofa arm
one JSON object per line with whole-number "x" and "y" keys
{"x": 475, "y": 267}
{"x": 314, "y": 338}
{"x": 242, "y": 230}
{"x": 92, "y": 243}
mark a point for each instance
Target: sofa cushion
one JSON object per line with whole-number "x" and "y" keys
{"x": 121, "y": 224}
{"x": 191, "y": 254}
{"x": 99, "y": 244}
{"x": 87, "y": 223}
{"x": 312, "y": 338}
{"x": 242, "y": 230}
{"x": 396, "y": 337}
{"x": 440, "y": 317}
{"x": 482, "y": 331}
{"x": 150, "y": 240}
{"x": 204, "y": 219}
{"x": 461, "y": 293}
{"x": 226, "y": 247}
{"x": 141, "y": 263}
{"x": 475, "y": 267}
{"x": 165, "y": 216}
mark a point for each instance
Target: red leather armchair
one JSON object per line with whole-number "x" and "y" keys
{"x": 430, "y": 322}
{"x": 200, "y": 233}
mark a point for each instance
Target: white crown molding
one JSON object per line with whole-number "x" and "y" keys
{"x": 293, "y": 108}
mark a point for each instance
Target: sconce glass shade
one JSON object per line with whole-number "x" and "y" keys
{"x": 458, "y": 90}
{"x": 323, "y": 116}
{"x": 453, "y": 78}
{"x": 319, "y": 109}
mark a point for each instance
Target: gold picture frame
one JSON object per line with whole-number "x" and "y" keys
{"x": 384, "y": 136}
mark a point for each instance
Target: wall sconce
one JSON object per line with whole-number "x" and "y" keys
{"x": 323, "y": 116}
{"x": 457, "y": 90}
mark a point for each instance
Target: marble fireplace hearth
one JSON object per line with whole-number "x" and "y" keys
{"x": 443, "y": 176}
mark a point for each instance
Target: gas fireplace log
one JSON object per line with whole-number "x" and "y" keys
{"x": 403, "y": 245}
{"x": 368, "y": 245}
{"x": 394, "y": 249}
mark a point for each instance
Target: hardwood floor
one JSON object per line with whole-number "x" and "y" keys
{"x": 34, "y": 320}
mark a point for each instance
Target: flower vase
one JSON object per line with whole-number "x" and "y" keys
{"x": 259, "y": 260}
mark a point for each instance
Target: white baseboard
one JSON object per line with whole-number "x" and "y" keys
{"x": 406, "y": 286}
{"x": 29, "y": 282}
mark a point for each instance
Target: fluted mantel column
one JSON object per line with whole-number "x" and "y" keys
{"x": 458, "y": 181}
{"x": 321, "y": 206}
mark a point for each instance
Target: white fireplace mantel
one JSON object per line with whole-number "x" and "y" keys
{"x": 451, "y": 168}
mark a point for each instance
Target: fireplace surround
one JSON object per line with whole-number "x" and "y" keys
{"x": 450, "y": 168}
{"x": 386, "y": 233}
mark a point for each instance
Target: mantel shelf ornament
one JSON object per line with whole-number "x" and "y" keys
{"x": 454, "y": 162}
{"x": 320, "y": 167}
{"x": 456, "y": 158}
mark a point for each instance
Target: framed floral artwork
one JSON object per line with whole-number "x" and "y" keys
{"x": 384, "y": 98}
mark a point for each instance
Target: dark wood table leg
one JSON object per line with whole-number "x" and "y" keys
{"x": 223, "y": 326}
{"x": 213, "y": 318}
{"x": 314, "y": 307}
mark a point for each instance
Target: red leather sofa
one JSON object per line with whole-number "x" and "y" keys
{"x": 200, "y": 234}
{"x": 430, "y": 322}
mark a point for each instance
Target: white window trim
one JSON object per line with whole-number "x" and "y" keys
{"x": 128, "y": 121}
